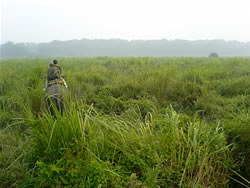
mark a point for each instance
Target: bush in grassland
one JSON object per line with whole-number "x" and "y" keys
{"x": 86, "y": 147}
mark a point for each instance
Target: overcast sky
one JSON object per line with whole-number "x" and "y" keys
{"x": 47, "y": 20}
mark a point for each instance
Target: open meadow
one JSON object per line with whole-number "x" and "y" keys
{"x": 130, "y": 122}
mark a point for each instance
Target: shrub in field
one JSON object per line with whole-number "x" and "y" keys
{"x": 4, "y": 85}
{"x": 194, "y": 77}
{"x": 36, "y": 100}
{"x": 213, "y": 55}
{"x": 238, "y": 132}
{"x": 13, "y": 149}
{"x": 235, "y": 87}
{"x": 86, "y": 147}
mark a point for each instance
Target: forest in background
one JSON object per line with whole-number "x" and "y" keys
{"x": 118, "y": 47}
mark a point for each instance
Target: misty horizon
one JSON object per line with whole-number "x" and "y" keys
{"x": 119, "y": 47}
{"x": 124, "y": 28}
{"x": 43, "y": 21}
{"x": 128, "y": 40}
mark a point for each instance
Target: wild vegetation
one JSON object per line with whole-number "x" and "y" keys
{"x": 130, "y": 122}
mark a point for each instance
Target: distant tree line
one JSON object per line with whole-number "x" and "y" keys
{"x": 118, "y": 47}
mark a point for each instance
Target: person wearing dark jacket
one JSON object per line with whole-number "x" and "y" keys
{"x": 54, "y": 71}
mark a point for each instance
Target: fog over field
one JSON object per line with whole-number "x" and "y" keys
{"x": 118, "y": 47}
{"x": 85, "y": 28}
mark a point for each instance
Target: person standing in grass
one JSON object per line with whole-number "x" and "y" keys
{"x": 54, "y": 71}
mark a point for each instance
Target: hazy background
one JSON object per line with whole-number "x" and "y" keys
{"x": 39, "y": 21}
{"x": 47, "y": 20}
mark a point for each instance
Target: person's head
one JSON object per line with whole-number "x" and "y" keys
{"x": 54, "y": 61}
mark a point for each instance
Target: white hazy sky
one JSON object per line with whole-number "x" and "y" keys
{"x": 47, "y": 20}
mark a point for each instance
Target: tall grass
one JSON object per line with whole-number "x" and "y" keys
{"x": 132, "y": 122}
{"x": 86, "y": 147}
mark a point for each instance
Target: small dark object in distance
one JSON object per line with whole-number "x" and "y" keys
{"x": 213, "y": 55}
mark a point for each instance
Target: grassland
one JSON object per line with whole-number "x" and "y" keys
{"x": 131, "y": 122}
